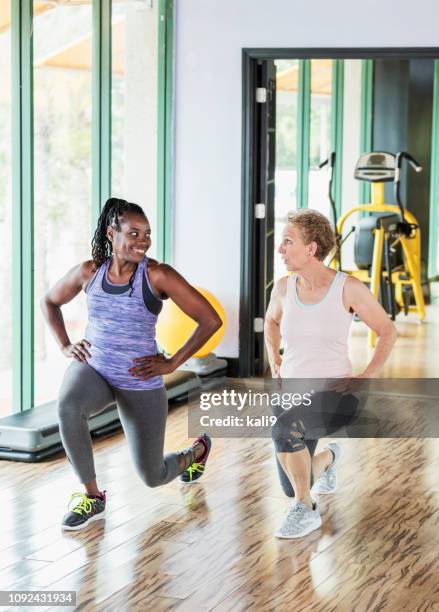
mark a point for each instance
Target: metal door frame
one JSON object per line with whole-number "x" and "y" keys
{"x": 247, "y": 265}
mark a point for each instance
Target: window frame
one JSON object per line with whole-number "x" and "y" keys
{"x": 433, "y": 250}
{"x": 23, "y": 297}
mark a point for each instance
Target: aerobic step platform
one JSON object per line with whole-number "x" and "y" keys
{"x": 33, "y": 435}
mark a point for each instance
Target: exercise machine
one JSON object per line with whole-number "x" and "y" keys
{"x": 387, "y": 249}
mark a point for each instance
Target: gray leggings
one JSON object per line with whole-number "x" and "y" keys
{"x": 142, "y": 414}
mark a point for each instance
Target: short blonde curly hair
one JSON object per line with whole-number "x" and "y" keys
{"x": 314, "y": 227}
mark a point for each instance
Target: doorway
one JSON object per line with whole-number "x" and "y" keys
{"x": 298, "y": 107}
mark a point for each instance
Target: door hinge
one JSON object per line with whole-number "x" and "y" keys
{"x": 260, "y": 211}
{"x": 261, "y": 94}
{"x": 258, "y": 325}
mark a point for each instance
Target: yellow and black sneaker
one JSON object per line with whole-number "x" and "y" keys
{"x": 198, "y": 467}
{"x": 88, "y": 508}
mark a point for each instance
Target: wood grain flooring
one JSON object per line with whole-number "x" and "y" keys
{"x": 210, "y": 546}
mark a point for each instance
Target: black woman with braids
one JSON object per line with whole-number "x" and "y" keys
{"x": 117, "y": 361}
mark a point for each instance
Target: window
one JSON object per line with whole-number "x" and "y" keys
{"x": 287, "y": 85}
{"x": 433, "y": 267}
{"x": 5, "y": 211}
{"x": 62, "y": 170}
{"x": 66, "y": 160}
{"x": 118, "y": 99}
{"x": 134, "y": 106}
{"x": 320, "y": 134}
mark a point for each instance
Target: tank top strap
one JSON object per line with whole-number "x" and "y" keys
{"x": 143, "y": 271}
{"x": 96, "y": 280}
{"x": 291, "y": 289}
{"x": 104, "y": 273}
{"x": 137, "y": 280}
{"x": 143, "y": 265}
{"x": 339, "y": 282}
{"x": 291, "y": 283}
{"x": 334, "y": 298}
{"x": 150, "y": 288}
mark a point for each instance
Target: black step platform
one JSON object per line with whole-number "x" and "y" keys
{"x": 33, "y": 435}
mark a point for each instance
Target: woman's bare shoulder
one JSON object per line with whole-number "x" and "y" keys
{"x": 86, "y": 271}
{"x": 280, "y": 286}
{"x": 87, "y": 268}
{"x": 160, "y": 274}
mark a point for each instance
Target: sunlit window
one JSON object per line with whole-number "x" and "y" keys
{"x": 134, "y": 106}
{"x": 5, "y": 211}
{"x": 287, "y": 85}
{"x": 62, "y": 156}
{"x": 320, "y": 133}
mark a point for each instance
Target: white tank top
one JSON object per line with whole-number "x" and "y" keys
{"x": 315, "y": 336}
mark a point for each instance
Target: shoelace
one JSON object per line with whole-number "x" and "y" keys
{"x": 85, "y": 505}
{"x": 194, "y": 468}
{"x": 295, "y": 510}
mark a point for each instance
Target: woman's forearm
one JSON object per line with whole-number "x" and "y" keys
{"x": 272, "y": 341}
{"x": 200, "y": 336}
{"x": 54, "y": 317}
{"x": 382, "y": 351}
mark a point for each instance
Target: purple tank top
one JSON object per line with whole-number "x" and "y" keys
{"x": 120, "y": 328}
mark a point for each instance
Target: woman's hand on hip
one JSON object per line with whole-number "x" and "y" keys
{"x": 348, "y": 385}
{"x": 151, "y": 365}
{"x": 77, "y": 350}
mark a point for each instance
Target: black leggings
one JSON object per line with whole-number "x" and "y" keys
{"x": 286, "y": 485}
{"x": 300, "y": 428}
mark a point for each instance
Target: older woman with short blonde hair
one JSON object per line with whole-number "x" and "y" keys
{"x": 311, "y": 310}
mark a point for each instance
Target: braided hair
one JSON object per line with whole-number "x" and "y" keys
{"x": 110, "y": 216}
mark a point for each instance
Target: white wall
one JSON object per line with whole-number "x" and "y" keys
{"x": 210, "y": 35}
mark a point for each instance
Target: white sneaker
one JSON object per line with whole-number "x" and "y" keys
{"x": 327, "y": 483}
{"x": 299, "y": 521}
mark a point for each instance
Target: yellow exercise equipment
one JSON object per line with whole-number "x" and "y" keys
{"x": 396, "y": 230}
{"x": 174, "y": 327}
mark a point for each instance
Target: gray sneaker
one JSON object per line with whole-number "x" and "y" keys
{"x": 299, "y": 521}
{"x": 327, "y": 483}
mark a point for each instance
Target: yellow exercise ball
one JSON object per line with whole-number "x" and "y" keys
{"x": 174, "y": 327}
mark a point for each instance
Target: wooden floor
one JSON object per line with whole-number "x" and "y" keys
{"x": 416, "y": 351}
{"x": 210, "y": 546}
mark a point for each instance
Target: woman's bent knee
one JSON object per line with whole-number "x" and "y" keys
{"x": 152, "y": 483}
{"x": 152, "y": 479}
{"x": 288, "y": 436}
{"x": 289, "y": 445}
{"x": 65, "y": 407}
{"x": 69, "y": 407}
